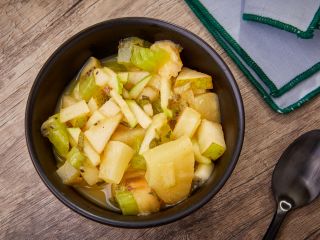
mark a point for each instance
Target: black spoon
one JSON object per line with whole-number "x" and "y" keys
{"x": 296, "y": 178}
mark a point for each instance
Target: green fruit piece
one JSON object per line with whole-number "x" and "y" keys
{"x": 138, "y": 162}
{"x": 211, "y": 139}
{"x": 197, "y": 79}
{"x": 76, "y": 158}
{"x": 147, "y": 59}
{"x": 57, "y": 134}
{"x": 69, "y": 174}
{"x": 87, "y": 87}
{"x": 123, "y": 77}
{"x": 87, "y": 69}
{"x": 125, "y": 48}
{"x": 127, "y": 202}
{"x": 74, "y": 134}
{"x": 197, "y": 155}
{"x": 138, "y": 88}
{"x": 114, "y": 65}
{"x": 79, "y": 122}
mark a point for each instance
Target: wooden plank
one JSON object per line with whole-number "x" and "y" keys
{"x": 30, "y": 32}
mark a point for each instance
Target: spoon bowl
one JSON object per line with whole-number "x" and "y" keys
{"x": 296, "y": 178}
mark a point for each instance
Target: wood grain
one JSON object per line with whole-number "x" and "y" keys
{"x": 30, "y": 32}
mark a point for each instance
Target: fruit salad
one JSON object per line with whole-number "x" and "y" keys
{"x": 139, "y": 126}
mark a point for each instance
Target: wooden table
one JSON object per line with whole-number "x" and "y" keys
{"x": 29, "y": 32}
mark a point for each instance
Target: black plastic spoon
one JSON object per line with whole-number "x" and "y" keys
{"x": 296, "y": 178}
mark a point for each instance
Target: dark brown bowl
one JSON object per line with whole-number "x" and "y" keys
{"x": 101, "y": 40}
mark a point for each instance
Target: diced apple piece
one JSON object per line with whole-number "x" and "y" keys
{"x": 93, "y": 105}
{"x": 123, "y": 77}
{"x": 94, "y": 119}
{"x": 165, "y": 95}
{"x": 68, "y": 101}
{"x": 150, "y": 93}
{"x": 197, "y": 79}
{"x": 203, "y": 172}
{"x": 157, "y": 122}
{"x": 90, "y": 173}
{"x": 138, "y": 88}
{"x": 181, "y": 89}
{"x": 188, "y": 97}
{"x": 125, "y": 94}
{"x": 74, "y": 136}
{"x": 155, "y": 82}
{"x": 180, "y": 154}
{"x": 76, "y": 110}
{"x": 173, "y": 64}
{"x": 208, "y": 106}
{"x": 79, "y": 122}
{"x": 135, "y": 77}
{"x": 125, "y": 48}
{"x": 187, "y": 123}
{"x": 124, "y": 108}
{"x": 75, "y": 93}
{"x": 105, "y": 76}
{"x": 198, "y": 91}
{"x": 211, "y": 139}
{"x": 148, "y": 109}
{"x": 69, "y": 174}
{"x": 98, "y": 135}
{"x": 143, "y": 119}
{"x": 115, "y": 160}
{"x": 110, "y": 108}
{"x": 129, "y": 136}
{"x": 91, "y": 154}
{"x": 197, "y": 155}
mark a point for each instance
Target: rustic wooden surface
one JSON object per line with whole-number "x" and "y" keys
{"x": 30, "y": 31}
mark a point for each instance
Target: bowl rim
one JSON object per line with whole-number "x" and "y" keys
{"x": 153, "y": 222}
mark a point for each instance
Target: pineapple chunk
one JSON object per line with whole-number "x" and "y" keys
{"x": 157, "y": 122}
{"x": 94, "y": 119}
{"x": 124, "y": 108}
{"x": 115, "y": 160}
{"x": 129, "y": 136}
{"x": 143, "y": 119}
{"x": 90, "y": 173}
{"x": 197, "y": 79}
{"x": 76, "y": 110}
{"x": 208, "y": 106}
{"x": 98, "y": 135}
{"x": 109, "y": 109}
{"x": 187, "y": 123}
{"x": 69, "y": 174}
{"x": 74, "y": 136}
{"x": 211, "y": 139}
{"x": 91, "y": 154}
{"x": 180, "y": 154}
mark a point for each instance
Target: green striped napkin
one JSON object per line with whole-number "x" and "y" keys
{"x": 283, "y": 68}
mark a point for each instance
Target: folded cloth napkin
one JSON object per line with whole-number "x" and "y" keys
{"x": 298, "y": 16}
{"x": 283, "y": 68}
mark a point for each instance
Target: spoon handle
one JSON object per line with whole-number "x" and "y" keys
{"x": 282, "y": 209}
